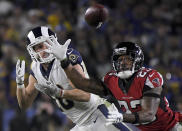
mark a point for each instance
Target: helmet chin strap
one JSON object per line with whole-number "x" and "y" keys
{"x": 126, "y": 74}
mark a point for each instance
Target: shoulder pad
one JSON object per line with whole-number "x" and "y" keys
{"x": 154, "y": 79}
{"x": 109, "y": 75}
{"x": 74, "y": 56}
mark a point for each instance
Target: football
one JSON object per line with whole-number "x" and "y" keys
{"x": 96, "y": 15}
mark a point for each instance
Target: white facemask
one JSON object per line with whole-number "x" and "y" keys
{"x": 36, "y": 55}
{"x": 126, "y": 74}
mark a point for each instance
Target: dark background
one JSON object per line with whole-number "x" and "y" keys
{"x": 156, "y": 25}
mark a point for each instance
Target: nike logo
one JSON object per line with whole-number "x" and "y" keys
{"x": 151, "y": 75}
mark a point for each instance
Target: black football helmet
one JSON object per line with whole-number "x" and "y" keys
{"x": 135, "y": 54}
{"x": 36, "y": 36}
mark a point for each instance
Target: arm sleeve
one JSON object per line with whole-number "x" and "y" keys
{"x": 153, "y": 80}
{"x": 74, "y": 56}
{"x": 31, "y": 73}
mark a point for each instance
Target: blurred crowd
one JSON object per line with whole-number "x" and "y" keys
{"x": 156, "y": 25}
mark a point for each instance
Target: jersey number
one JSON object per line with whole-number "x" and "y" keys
{"x": 133, "y": 105}
{"x": 64, "y": 104}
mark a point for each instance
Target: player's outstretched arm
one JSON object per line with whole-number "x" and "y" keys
{"x": 77, "y": 94}
{"x": 25, "y": 96}
{"x": 89, "y": 85}
{"x": 56, "y": 91}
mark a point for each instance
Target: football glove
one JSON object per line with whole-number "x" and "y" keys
{"x": 114, "y": 117}
{"x": 59, "y": 51}
{"x": 50, "y": 90}
{"x": 20, "y": 72}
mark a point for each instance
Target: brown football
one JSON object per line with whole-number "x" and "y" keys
{"x": 96, "y": 15}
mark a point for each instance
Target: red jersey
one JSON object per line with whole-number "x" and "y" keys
{"x": 129, "y": 97}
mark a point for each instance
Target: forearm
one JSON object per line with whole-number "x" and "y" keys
{"x": 22, "y": 97}
{"x": 25, "y": 100}
{"x": 76, "y": 95}
{"x": 149, "y": 108}
{"x": 143, "y": 116}
{"x": 88, "y": 85}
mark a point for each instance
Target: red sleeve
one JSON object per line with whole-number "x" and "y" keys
{"x": 154, "y": 79}
{"x": 107, "y": 76}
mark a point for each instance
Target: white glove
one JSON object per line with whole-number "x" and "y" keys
{"x": 59, "y": 51}
{"x": 114, "y": 117}
{"x": 20, "y": 72}
{"x": 50, "y": 90}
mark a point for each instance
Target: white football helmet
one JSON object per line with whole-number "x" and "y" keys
{"x": 36, "y": 36}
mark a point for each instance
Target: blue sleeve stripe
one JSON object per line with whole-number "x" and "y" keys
{"x": 31, "y": 73}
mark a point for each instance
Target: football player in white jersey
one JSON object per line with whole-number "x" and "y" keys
{"x": 48, "y": 77}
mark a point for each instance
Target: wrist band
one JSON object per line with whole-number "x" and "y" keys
{"x": 20, "y": 85}
{"x": 136, "y": 118}
{"x": 65, "y": 63}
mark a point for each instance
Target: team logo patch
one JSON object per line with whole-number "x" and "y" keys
{"x": 73, "y": 58}
{"x": 156, "y": 80}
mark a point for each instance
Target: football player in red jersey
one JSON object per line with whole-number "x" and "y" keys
{"x": 138, "y": 90}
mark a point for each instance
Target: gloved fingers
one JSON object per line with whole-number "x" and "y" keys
{"x": 66, "y": 44}
{"x": 114, "y": 113}
{"x": 23, "y": 67}
{"x": 108, "y": 123}
{"x": 111, "y": 116}
{"x": 17, "y": 65}
{"x": 50, "y": 43}
{"x": 20, "y": 70}
{"x": 55, "y": 41}
{"x": 110, "y": 119}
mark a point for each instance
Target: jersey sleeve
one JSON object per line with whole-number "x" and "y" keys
{"x": 32, "y": 65}
{"x": 107, "y": 77}
{"x": 154, "y": 79}
{"x": 31, "y": 73}
{"x": 74, "y": 56}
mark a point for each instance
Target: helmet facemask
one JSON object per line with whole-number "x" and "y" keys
{"x": 36, "y": 55}
{"x": 124, "y": 64}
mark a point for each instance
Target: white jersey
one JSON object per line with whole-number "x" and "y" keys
{"x": 80, "y": 113}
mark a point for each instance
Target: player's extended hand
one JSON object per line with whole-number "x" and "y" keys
{"x": 114, "y": 117}
{"x": 50, "y": 90}
{"x": 20, "y": 72}
{"x": 59, "y": 51}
